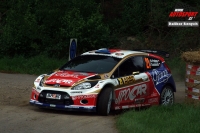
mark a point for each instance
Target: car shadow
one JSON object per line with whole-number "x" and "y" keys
{"x": 80, "y": 112}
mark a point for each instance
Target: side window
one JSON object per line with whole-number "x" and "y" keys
{"x": 129, "y": 66}
{"x": 152, "y": 63}
{"x": 138, "y": 63}
{"x": 126, "y": 68}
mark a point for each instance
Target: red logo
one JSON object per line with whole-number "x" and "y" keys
{"x": 179, "y": 13}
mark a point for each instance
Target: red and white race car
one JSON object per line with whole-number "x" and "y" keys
{"x": 105, "y": 79}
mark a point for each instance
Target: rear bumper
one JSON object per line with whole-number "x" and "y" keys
{"x": 63, "y": 107}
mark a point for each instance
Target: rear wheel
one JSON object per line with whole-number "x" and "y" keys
{"x": 167, "y": 96}
{"x": 105, "y": 101}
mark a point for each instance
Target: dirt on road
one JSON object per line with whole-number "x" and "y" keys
{"x": 17, "y": 116}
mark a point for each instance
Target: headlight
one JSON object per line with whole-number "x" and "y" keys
{"x": 41, "y": 82}
{"x": 85, "y": 85}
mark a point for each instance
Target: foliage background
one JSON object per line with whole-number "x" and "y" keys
{"x": 32, "y": 27}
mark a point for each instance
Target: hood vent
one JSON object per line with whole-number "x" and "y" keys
{"x": 95, "y": 77}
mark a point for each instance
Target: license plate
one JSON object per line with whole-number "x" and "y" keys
{"x": 53, "y": 96}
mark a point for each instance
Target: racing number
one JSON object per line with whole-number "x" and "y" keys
{"x": 148, "y": 65}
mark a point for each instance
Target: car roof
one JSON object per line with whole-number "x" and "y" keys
{"x": 118, "y": 53}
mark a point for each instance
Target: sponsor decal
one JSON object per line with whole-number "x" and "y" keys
{"x": 151, "y": 63}
{"x": 59, "y": 81}
{"x": 76, "y": 92}
{"x": 88, "y": 107}
{"x": 126, "y": 80}
{"x": 130, "y": 106}
{"x": 52, "y": 105}
{"x": 137, "y": 101}
{"x": 160, "y": 76}
{"x": 72, "y": 75}
{"x": 83, "y": 97}
{"x": 153, "y": 100}
{"x": 125, "y": 107}
{"x": 131, "y": 93}
{"x": 154, "y": 62}
{"x": 75, "y": 107}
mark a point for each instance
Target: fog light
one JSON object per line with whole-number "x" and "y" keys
{"x": 84, "y": 101}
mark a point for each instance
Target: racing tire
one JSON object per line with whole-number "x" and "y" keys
{"x": 167, "y": 96}
{"x": 104, "y": 102}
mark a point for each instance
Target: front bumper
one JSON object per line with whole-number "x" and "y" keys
{"x": 63, "y": 107}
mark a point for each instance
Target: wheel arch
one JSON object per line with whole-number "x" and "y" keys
{"x": 110, "y": 85}
{"x": 171, "y": 85}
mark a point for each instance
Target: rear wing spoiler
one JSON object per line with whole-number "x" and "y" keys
{"x": 157, "y": 52}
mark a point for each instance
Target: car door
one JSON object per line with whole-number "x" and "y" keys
{"x": 132, "y": 82}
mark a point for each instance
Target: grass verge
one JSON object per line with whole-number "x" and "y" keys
{"x": 35, "y": 65}
{"x": 160, "y": 119}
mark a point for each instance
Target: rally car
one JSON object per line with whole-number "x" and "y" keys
{"x": 106, "y": 79}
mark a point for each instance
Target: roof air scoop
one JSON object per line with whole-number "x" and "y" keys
{"x": 103, "y": 51}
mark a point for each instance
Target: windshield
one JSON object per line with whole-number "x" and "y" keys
{"x": 91, "y": 63}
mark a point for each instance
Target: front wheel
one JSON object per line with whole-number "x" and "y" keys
{"x": 167, "y": 96}
{"x": 104, "y": 102}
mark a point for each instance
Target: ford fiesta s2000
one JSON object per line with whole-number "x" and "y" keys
{"x": 106, "y": 79}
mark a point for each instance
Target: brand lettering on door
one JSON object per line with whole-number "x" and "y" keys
{"x": 130, "y": 94}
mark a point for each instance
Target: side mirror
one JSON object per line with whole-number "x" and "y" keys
{"x": 136, "y": 73}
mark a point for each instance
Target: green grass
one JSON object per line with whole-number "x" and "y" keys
{"x": 159, "y": 119}
{"x": 35, "y": 65}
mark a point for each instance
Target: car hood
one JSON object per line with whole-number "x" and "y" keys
{"x": 67, "y": 78}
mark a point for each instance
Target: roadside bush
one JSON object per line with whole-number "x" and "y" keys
{"x": 45, "y": 27}
{"x": 133, "y": 18}
{"x": 147, "y": 22}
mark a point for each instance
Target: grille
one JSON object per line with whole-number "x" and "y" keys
{"x": 42, "y": 98}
